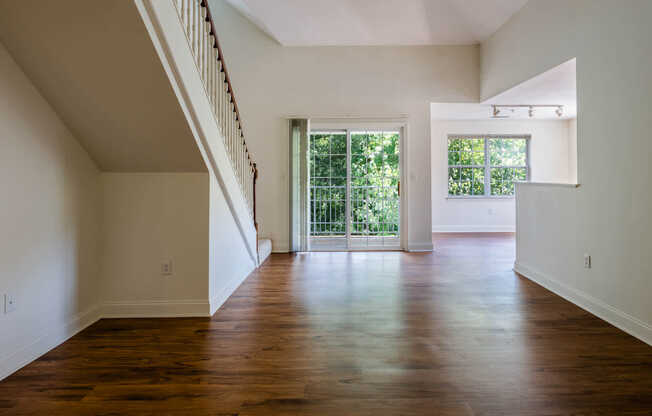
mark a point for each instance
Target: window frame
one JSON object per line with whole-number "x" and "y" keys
{"x": 487, "y": 163}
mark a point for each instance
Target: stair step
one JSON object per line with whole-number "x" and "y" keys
{"x": 264, "y": 249}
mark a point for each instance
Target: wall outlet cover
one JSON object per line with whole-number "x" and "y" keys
{"x": 166, "y": 268}
{"x": 10, "y": 303}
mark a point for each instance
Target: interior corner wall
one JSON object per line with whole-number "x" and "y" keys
{"x": 149, "y": 219}
{"x": 549, "y": 162}
{"x": 608, "y": 216}
{"x": 50, "y": 219}
{"x": 273, "y": 82}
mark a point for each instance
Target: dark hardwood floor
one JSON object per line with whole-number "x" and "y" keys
{"x": 450, "y": 333}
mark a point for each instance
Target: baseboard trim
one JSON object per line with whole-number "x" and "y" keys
{"x": 420, "y": 247}
{"x": 107, "y": 310}
{"x": 633, "y": 326}
{"x": 474, "y": 229}
{"x": 216, "y": 302}
{"x": 53, "y": 338}
{"x": 156, "y": 309}
{"x": 57, "y": 336}
{"x": 280, "y": 248}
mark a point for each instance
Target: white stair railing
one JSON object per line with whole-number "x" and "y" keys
{"x": 202, "y": 40}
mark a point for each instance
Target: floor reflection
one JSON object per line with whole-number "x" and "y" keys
{"x": 454, "y": 332}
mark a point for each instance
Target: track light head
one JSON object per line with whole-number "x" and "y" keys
{"x": 504, "y": 110}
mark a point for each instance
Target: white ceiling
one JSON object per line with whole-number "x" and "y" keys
{"x": 378, "y": 22}
{"x": 554, "y": 87}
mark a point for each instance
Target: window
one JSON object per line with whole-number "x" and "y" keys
{"x": 486, "y": 166}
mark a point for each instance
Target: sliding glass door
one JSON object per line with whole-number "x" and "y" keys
{"x": 354, "y": 189}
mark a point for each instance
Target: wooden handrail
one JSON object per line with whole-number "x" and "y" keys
{"x": 227, "y": 79}
{"x": 254, "y": 203}
{"x": 254, "y": 196}
{"x": 197, "y": 21}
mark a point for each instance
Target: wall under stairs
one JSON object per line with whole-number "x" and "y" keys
{"x": 105, "y": 175}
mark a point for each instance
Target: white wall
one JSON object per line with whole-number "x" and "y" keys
{"x": 150, "y": 218}
{"x": 549, "y": 162}
{"x": 80, "y": 245}
{"x": 229, "y": 263}
{"x": 272, "y": 82}
{"x": 49, "y": 217}
{"x": 572, "y": 151}
{"x": 608, "y": 216}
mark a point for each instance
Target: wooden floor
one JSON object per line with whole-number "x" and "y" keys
{"x": 450, "y": 333}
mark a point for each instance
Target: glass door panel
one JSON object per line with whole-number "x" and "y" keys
{"x": 375, "y": 179}
{"x": 328, "y": 178}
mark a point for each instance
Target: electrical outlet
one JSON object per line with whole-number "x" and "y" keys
{"x": 10, "y": 303}
{"x": 490, "y": 211}
{"x": 587, "y": 261}
{"x": 166, "y": 268}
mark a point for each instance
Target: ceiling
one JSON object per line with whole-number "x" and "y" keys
{"x": 96, "y": 65}
{"x": 378, "y": 22}
{"x": 557, "y": 86}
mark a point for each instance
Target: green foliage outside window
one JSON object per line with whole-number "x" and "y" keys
{"x": 468, "y": 167}
{"x": 374, "y": 183}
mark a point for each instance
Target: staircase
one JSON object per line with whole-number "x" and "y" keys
{"x": 228, "y": 157}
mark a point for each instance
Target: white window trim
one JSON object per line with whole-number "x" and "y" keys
{"x": 487, "y": 167}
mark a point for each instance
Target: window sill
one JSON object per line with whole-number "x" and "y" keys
{"x": 549, "y": 184}
{"x": 482, "y": 197}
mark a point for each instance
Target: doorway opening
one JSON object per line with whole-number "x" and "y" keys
{"x": 354, "y": 188}
{"x": 483, "y": 152}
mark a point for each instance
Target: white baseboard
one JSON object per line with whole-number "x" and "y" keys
{"x": 633, "y": 326}
{"x": 54, "y": 337}
{"x": 122, "y": 309}
{"x": 420, "y": 247}
{"x": 280, "y": 248}
{"x": 473, "y": 228}
{"x": 217, "y": 301}
{"x": 156, "y": 309}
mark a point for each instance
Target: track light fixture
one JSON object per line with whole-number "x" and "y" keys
{"x": 496, "y": 108}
